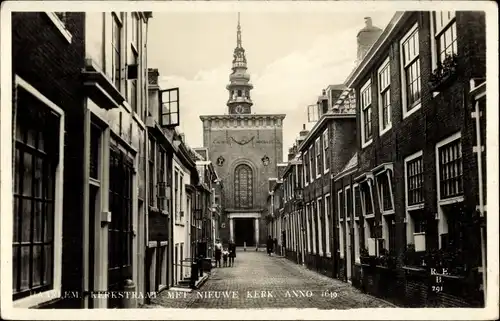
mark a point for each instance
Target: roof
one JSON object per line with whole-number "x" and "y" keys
{"x": 351, "y": 164}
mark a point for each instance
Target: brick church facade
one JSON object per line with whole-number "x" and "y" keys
{"x": 245, "y": 147}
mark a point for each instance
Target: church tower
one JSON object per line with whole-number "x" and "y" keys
{"x": 245, "y": 148}
{"x": 239, "y": 80}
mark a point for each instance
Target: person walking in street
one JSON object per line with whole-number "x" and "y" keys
{"x": 269, "y": 245}
{"x": 275, "y": 245}
{"x": 232, "y": 252}
{"x": 218, "y": 252}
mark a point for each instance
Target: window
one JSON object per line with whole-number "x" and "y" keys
{"x": 411, "y": 71}
{"x": 151, "y": 167}
{"x": 341, "y": 225}
{"x": 135, "y": 30}
{"x": 120, "y": 232}
{"x": 307, "y": 170}
{"x": 311, "y": 164}
{"x": 415, "y": 180}
{"x": 116, "y": 44}
{"x": 313, "y": 220}
{"x": 348, "y": 203}
{"x": 367, "y": 203}
{"x": 308, "y": 214}
{"x": 317, "y": 147}
{"x": 445, "y": 34}
{"x": 385, "y": 191}
{"x": 366, "y": 114}
{"x": 326, "y": 155}
{"x": 243, "y": 186}
{"x": 37, "y": 207}
{"x": 133, "y": 88}
{"x": 357, "y": 202}
{"x": 357, "y": 237}
{"x": 176, "y": 197}
{"x": 181, "y": 198}
{"x": 239, "y": 93}
{"x": 384, "y": 83}
{"x": 169, "y": 111}
{"x": 450, "y": 169}
{"x": 160, "y": 177}
{"x": 327, "y": 223}
{"x": 321, "y": 222}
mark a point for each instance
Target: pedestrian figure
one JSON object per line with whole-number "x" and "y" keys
{"x": 275, "y": 241}
{"x": 225, "y": 255}
{"x": 269, "y": 245}
{"x": 218, "y": 252}
{"x": 232, "y": 252}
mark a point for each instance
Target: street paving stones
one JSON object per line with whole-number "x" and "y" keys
{"x": 259, "y": 281}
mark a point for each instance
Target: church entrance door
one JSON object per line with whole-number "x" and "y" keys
{"x": 244, "y": 231}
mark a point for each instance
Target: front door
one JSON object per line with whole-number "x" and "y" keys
{"x": 120, "y": 228}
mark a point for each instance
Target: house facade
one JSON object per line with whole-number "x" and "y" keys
{"x": 416, "y": 148}
{"x": 79, "y": 128}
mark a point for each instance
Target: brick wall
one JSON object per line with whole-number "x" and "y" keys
{"x": 45, "y": 59}
{"x": 440, "y": 116}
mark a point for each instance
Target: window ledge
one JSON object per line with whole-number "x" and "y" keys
{"x": 413, "y": 108}
{"x": 389, "y": 212}
{"x": 451, "y": 200}
{"x": 60, "y": 26}
{"x": 37, "y": 299}
{"x": 366, "y": 144}
{"x": 385, "y": 130}
{"x": 415, "y": 207}
{"x": 326, "y": 171}
{"x": 369, "y": 216}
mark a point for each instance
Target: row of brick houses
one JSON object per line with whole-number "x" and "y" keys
{"x": 107, "y": 195}
{"x": 387, "y": 191}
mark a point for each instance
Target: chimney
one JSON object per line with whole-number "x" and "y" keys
{"x": 153, "y": 76}
{"x": 366, "y": 38}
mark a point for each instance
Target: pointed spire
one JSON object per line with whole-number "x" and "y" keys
{"x": 238, "y": 33}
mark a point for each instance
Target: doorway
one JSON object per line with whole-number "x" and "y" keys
{"x": 244, "y": 231}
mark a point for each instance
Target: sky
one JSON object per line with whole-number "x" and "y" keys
{"x": 291, "y": 57}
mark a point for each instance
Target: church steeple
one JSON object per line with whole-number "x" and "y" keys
{"x": 239, "y": 87}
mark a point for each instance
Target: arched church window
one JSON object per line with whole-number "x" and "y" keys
{"x": 243, "y": 186}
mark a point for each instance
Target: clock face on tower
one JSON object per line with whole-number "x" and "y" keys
{"x": 239, "y": 109}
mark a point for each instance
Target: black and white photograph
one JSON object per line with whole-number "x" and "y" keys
{"x": 249, "y": 160}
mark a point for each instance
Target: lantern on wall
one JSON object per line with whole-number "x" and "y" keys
{"x": 265, "y": 160}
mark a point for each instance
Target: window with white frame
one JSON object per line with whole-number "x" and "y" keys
{"x": 357, "y": 202}
{"x": 357, "y": 235}
{"x": 320, "y": 211}
{"x": 306, "y": 169}
{"x": 385, "y": 192}
{"x": 450, "y": 189}
{"x": 311, "y": 165}
{"x": 176, "y": 193}
{"x": 37, "y": 201}
{"x": 384, "y": 91}
{"x": 340, "y": 211}
{"x": 326, "y": 150}
{"x": 308, "y": 225}
{"x": 317, "y": 148}
{"x": 414, "y": 182}
{"x": 314, "y": 225}
{"x": 445, "y": 34}
{"x": 151, "y": 170}
{"x": 134, "y": 94}
{"x": 116, "y": 45}
{"x": 366, "y": 113}
{"x": 135, "y": 26}
{"x": 367, "y": 199}
{"x": 450, "y": 169}
{"x": 411, "y": 71}
{"x": 327, "y": 223}
{"x": 348, "y": 203}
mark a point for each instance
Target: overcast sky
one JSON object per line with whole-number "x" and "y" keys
{"x": 291, "y": 57}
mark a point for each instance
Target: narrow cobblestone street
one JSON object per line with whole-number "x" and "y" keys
{"x": 260, "y": 281}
